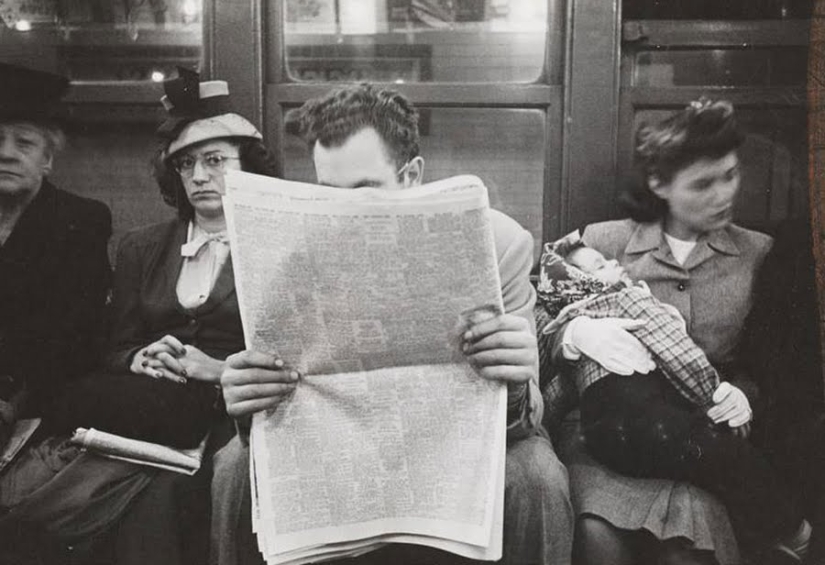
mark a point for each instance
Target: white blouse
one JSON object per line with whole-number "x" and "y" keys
{"x": 680, "y": 248}
{"x": 204, "y": 255}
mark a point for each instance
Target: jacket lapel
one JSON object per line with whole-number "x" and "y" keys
{"x": 649, "y": 237}
{"x": 715, "y": 242}
{"x": 169, "y": 264}
{"x": 223, "y": 288}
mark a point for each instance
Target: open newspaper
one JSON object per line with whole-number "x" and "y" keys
{"x": 186, "y": 461}
{"x": 390, "y": 436}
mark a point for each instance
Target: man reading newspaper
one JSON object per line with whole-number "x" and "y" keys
{"x": 363, "y": 136}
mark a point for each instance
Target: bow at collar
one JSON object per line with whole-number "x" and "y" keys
{"x": 191, "y": 248}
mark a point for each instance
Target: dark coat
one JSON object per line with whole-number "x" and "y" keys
{"x": 145, "y": 303}
{"x": 145, "y": 308}
{"x": 782, "y": 350}
{"x": 54, "y": 277}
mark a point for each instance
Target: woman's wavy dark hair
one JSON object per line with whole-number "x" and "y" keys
{"x": 703, "y": 130}
{"x": 255, "y": 158}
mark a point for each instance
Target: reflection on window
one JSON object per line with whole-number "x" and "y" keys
{"x": 715, "y": 9}
{"x": 103, "y": 40}
{"x": 415, "y": 40}
{"x": 505, "y": 148}
{"x": 722, "y": 67}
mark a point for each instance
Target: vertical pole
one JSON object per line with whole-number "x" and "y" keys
{"x": 816, "y": 149}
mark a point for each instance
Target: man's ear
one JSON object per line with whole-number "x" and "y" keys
{"x": 414, "y": 175}
{"x": 656, "y": 187}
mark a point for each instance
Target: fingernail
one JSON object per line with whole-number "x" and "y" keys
{"x": 465, "y": 347}
{"x": 182, "y": 381}
{"x": 184, "y": 373}
{"x": 158, "y": 374}
{"x": 279, "y": 363}
{"x": 467, "y": 335}
{"x": 294, "y": 375}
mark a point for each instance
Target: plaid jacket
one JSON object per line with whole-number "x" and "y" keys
{"x": 679, "y": 358}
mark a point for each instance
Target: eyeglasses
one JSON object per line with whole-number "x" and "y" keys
{"x": 212, "y": 162}
{"x": 400, "y": 172}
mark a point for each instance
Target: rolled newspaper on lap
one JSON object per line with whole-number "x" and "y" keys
{"x": 186, "y": 461}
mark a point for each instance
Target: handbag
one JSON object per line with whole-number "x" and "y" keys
{"x": 138, "y": 407}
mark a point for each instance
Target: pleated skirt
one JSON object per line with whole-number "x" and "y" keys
{"x": 667, "y": 509}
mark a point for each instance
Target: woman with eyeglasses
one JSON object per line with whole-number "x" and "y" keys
{"x": 175, "y": 319}
{"x": 643, "y": 460}
{"x": 175, "y": 311}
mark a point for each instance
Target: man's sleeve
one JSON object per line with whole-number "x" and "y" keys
{"x": 514, "y": 246}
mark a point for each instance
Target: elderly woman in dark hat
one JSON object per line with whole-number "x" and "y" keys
{"x": 54, "y": 267}
{"x": 175, "y": 320}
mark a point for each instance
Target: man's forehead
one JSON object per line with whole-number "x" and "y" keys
{"x": 365, "y": 141}
{"x": 361, "y": 160}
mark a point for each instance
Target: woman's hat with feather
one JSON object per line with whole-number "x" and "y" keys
{"x": 199, "y": 111}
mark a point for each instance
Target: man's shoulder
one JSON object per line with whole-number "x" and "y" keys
{"x": 611, "y": 230}
{"x": 507, "y": 232}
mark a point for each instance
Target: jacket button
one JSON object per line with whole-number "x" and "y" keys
{"x": 193, "y": 322}
{"x": 681, "y": 286}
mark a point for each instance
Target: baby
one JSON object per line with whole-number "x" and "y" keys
{"x": 650, "y": 425}
{"x": 576, "y": 280}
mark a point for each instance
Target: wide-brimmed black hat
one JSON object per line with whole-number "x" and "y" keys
{"x": 31, "y": 96}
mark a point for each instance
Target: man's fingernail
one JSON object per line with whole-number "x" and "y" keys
{"x": 279, "y": 363}
{"x": 294, "y": 375}
{"x": 184, "y": 373}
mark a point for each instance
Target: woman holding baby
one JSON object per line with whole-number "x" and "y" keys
{"x": 679, "y": 239}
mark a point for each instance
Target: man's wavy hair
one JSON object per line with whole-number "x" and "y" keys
{"x": 703, "y": 130}
{"x": 332, "y": 119}
{"x": 255, "y": 158}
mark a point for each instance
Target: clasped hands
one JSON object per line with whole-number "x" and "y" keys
{"x": 610, "y": 343}
{"x": 168, "y": 358}
{"x": 501, "y": 347}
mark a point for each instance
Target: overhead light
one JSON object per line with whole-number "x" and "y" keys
{"x": 23, "y": 25}
{"x": 158, "y": 76}
{"x": 190, "y": 8}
